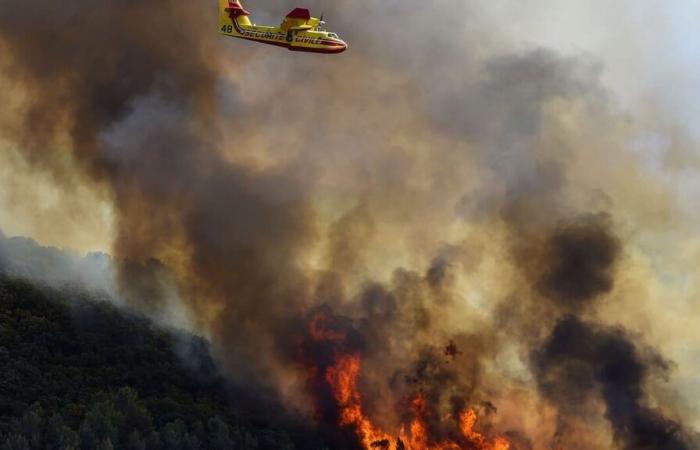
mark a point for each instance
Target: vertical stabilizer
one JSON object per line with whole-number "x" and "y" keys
{"x": 231, "y": 13}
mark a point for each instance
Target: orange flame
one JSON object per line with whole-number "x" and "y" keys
{"x": 342, "y": 378}
{"x": 467, "y": 421}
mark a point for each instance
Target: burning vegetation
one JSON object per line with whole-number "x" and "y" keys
{"x": 335, "y": 372}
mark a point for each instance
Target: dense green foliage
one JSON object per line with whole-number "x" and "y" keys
{"x": 76, "y": 373}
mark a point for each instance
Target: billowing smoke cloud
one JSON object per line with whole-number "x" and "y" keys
{"x": 131, "y": 86}
{"x": 581, "y": 359}
{"x": 442, "y": 215}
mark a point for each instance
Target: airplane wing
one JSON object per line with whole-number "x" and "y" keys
{"x": 298, "y": 19}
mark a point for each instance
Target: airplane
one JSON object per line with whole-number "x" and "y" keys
{"x": 298, "y": 31}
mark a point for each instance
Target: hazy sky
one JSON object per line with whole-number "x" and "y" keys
{"x": 649, "y": 53}
{"x": 650, "y": 50}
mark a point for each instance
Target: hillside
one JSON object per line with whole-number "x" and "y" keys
{"x": 79, "y": 373}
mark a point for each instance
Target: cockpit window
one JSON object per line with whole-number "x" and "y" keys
{"x": 333, "y": 35}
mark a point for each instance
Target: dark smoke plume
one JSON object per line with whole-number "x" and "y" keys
{"x": 581, "y": 359}
{"x": 579, "y": 260}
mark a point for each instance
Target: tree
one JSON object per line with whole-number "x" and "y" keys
{"x": 101, "y": 424}
{"x": 135, "y": 416}
{"x": 153, "y": 441}
{"x": 106, "y": 444}
{"x": 135, "y": 442}
{"x": 219, "y": 434}
{"x": 32, "y": 426}
{"x": 16, "y": 442}
{"x": 58, "y": 436}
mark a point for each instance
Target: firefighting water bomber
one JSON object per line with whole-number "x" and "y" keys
{"x": 298, "y": 31}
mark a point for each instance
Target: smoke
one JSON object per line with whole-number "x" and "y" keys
{"x": 455, "y": 211}
{"x": 580, "y": 258}
{"x": 581, "y": 359}
{"x": 25, "y": 259}
{"x": 139, "y": 110}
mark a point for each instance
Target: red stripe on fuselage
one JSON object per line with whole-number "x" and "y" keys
{"x": 338, "y": 49}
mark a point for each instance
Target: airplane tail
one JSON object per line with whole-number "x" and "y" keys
{"x": 231, "y": 13}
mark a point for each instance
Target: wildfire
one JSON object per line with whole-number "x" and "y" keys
{"x": 467, "y": 421}
{"x": 341, "y": 377}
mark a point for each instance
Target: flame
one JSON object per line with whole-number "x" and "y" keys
{"x": 342, "y": 378}
{"x": 468, "y": 421}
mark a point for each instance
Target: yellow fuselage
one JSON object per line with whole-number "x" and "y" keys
{"x": 294, "y": 34}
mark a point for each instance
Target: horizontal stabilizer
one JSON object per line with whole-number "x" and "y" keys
{"x": 235, "y": 9}
{"x": 299, "y": 13}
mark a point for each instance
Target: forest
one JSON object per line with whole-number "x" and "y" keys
{"x": 79, "y": 372}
